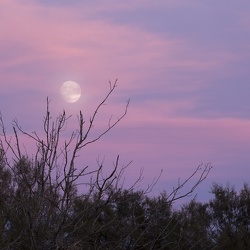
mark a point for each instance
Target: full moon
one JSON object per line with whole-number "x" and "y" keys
{"x": 70, "y": 91}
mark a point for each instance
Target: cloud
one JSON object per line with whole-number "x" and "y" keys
{"x": 43, "y": 45}
{"x": 57, "y": 36}
{"x": 184, "y": 66}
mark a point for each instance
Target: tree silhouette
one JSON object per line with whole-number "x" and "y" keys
{"x": 42, "y": 208}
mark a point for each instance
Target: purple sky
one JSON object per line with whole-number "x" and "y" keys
{"x": 184, "y": 65}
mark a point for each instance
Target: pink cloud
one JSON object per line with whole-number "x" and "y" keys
{"x": 58, "y": 38}
{"x": 46, "y": 45}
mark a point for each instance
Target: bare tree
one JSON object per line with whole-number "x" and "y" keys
{"x": 44, "y": 209}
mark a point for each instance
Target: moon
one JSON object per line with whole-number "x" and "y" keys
{"x": 70, "y": 91}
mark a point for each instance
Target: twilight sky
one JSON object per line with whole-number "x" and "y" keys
{"x": 185, "y": 65}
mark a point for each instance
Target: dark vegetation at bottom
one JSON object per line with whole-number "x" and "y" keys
{"x": 32, "y": 216}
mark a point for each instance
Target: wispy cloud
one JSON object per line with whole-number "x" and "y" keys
{"x": 185, "y": 67}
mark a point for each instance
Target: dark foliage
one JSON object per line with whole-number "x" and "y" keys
{"x": 118, "y": 219}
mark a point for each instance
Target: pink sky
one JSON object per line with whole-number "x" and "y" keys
{"x": 185, "y": 67}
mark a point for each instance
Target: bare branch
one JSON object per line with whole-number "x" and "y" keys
{"x": 174, "y": 195}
